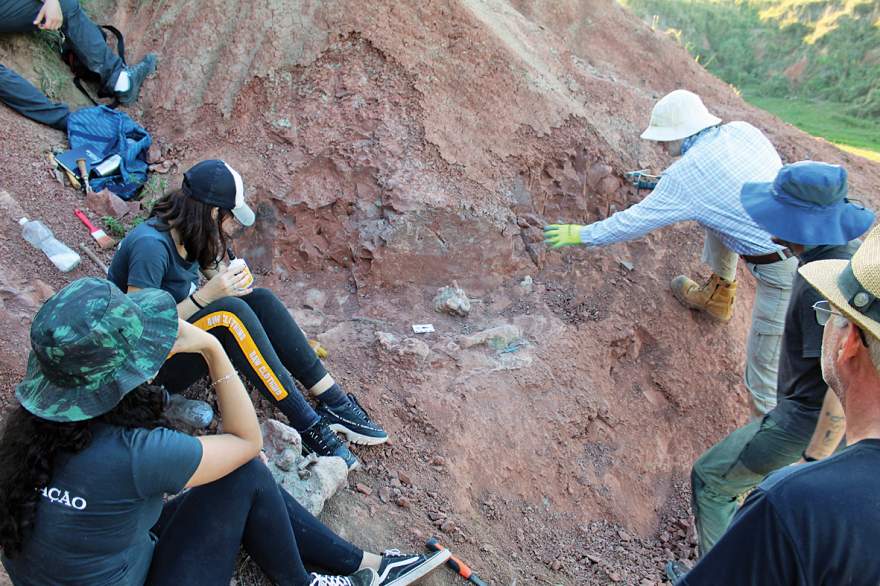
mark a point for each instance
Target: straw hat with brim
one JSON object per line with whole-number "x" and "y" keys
{"x": 91, "y": 345}
{"x": 806, "y": 204}
{"x": 852, "y": 286}
{"x": 678, "y": 115}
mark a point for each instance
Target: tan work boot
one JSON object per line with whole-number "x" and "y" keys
{"x": 715, "y": 297}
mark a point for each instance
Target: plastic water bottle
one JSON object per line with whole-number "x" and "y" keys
{"x": 39, "y": 236}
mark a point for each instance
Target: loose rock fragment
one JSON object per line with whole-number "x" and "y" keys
{"x": 452, "y": 300}
{"x": 107, "y": 203}
{"x": 325, "y": 475}
{"x": 497, "y": 337}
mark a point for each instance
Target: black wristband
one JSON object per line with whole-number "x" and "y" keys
{"x": 196, "y": 303}
{"x": 807, "y": 458}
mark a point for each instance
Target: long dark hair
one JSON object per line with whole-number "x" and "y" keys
{"x": 200, "y": 233}
{"x": 30, "y": 445}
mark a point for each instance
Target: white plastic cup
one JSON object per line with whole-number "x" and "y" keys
{"x": 239, "y": 264}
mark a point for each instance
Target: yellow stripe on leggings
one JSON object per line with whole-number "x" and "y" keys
{"x": 230, "y": 321}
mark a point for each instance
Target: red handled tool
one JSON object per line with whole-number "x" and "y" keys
{"x": 456, "y": 564}
{"x": 99, "y": 235}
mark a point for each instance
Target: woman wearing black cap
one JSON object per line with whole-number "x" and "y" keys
{"x": 85, "y": 464}
{"x": 186, "y": 234}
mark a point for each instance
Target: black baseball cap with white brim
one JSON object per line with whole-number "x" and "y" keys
{"x": 216, "y": 183}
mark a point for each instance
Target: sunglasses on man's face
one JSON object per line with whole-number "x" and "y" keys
{"x": 824, "y": 311}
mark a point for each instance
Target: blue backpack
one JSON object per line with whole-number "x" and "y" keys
{"x": 107, "y": 132}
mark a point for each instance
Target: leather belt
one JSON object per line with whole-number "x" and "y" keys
{"x": 766, "y": 259}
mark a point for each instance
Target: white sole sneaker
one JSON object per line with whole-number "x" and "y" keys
{"x": 357, "y": 438}
{"x": 429, "y": 565}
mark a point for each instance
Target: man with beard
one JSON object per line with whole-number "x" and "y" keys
{"x": 819, "y": 523}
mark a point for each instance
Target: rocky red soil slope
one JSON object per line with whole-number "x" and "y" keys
{"x": 392, "y": 148}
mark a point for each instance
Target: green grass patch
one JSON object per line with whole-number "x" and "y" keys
{"x": 54, "y": 76}
{"x": 825, "y": 120}
{"x": 115, "y": 226}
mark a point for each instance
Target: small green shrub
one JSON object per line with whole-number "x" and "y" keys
{"x": 115, "y": 226}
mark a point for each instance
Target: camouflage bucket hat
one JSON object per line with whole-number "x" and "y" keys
{"x": 91, "y": 344}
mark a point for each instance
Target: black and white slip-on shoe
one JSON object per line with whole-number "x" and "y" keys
{"x": 398, "y": 569}
{"x": 365, "y": 577}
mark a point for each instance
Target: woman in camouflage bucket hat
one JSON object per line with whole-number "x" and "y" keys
{"x": 85, "y": 464}
{"x": 91, "y": 346}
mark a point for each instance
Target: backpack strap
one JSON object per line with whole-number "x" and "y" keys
{"x": 120, "y": 50}
{"x": 77, "y": 81}
{"x": 120, "y": 40}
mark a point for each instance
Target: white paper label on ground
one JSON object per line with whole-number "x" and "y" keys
{"x": 423, "y": 328}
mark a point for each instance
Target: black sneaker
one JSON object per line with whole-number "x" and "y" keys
{"x": 352, "y": 421}
{"x": 322, "y": 440}
{"x": 675, "y": 571}
{"x": 137, "y": 74}
{"x": 398, "y": 569}
{"x": 365, "y": 577}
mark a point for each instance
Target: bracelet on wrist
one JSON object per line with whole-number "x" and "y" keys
{"x": 808, "y": 458}
{"x": 223, "y": 379}
{"x": 195, "y": 301}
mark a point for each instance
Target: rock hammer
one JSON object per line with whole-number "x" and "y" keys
{"x": 456, "y": 564}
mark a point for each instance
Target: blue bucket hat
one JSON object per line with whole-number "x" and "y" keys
{"x": 806, "y": 204}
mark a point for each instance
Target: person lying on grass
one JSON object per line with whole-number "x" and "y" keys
{"x": 85, "y": 463}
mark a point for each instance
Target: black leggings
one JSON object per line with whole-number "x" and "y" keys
{"x": 200, "y": 533}
{"x": 264, "y": 343}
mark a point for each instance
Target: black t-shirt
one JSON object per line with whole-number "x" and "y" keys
{"x": 800, "y": 388}
{"x": 815, "y": 524}
{"x": 148, "y": 259}
{"x": 94, "y": 518}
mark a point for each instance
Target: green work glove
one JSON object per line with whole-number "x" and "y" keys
{"x": 557, "y": 235}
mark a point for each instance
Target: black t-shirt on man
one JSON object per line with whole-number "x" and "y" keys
{"x": 800, "y": 389}
{"x": 814, "y": 524}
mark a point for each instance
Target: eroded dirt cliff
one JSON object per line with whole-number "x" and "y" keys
{"x": 392, "y": 148}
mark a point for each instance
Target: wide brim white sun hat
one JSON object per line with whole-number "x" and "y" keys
{"x": 852, "y": 286}
{"x": 678, "y": 114}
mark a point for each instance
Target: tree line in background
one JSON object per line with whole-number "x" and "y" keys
{"x": 827, "y": 50}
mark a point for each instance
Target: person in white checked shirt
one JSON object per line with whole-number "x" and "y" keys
{"x": 704, "y": 186}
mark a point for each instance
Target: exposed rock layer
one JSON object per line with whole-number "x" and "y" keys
{"x": 396, "y": 148}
